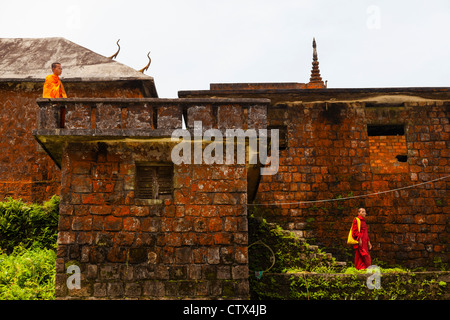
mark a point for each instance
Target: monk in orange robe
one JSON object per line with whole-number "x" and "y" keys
{"x": 53, "y": 87}
{"x": 362, "y": 256}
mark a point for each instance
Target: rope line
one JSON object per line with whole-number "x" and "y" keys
{"x": 259, "y": 273}
{"x": 346, "y": 198}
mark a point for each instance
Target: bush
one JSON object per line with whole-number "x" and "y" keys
{"x": 28, "y": 225}
{"x": 27, "y": 274}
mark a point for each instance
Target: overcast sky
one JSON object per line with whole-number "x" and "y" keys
{"x": 195, "y": 43}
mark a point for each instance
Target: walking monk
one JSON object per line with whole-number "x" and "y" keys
{"x": 53, "y": 87}
{"x": 362, "y": 256}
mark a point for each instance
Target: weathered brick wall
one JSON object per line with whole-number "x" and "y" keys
{"x": 330, "y": 155}
{"x": 383, "y": 152}
{"x": 190, "y": 245}
{"x": 26, "y": 171}
{"x": 194, "y": 245}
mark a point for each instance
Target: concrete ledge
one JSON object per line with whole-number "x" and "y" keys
{"x": 214, "y": 101}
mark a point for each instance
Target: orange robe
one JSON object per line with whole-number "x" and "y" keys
{"x": 53, "y": 87}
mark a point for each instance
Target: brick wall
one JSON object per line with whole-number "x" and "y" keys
{"x": 194, "y": 245}
{"x": 383, "y": 152}
{"x": 26, "y": 171}
{"x": 331, "y": 156}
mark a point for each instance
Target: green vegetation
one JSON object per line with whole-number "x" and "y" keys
{"x": 302, "y": 273}
{"x": 28, "y": 234}
{"x": 27, "y": 274}
{"x": 290, "y": 252}
{"x": 28, "y": 225}
{"x": 394, "y": 286}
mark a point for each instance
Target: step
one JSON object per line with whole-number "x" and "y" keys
{"x": 303, "y": 235}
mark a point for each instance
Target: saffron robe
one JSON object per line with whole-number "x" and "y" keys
{"x": 53, "y": 87}
{"x": 362, "y": 256}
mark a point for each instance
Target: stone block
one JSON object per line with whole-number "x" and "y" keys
{"x": 109, "y": 116}
{"x": 169, "y": 117}
{"x": 140, "y": 116}
{"x": 257, "y": 117}
{"x": 229, "y": 117}
{"x": 77, "y": 116}
{"x": 202, "y": 113}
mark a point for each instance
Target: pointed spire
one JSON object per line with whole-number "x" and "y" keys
{"x": 315, "y": 72}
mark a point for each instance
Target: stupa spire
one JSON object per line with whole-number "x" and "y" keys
{"x": 315, "y": 72}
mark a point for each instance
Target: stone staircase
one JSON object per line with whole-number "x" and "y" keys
{"x": 314, "y": 251}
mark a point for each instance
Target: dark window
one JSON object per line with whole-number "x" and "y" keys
{"x": 282, "y": 135}
{"x": 385, "y": 130}
{"x": 402, "y": 158}
{"x": 154, "y": 182}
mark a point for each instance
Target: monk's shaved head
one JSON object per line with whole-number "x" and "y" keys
{"x": 56, "y": 68}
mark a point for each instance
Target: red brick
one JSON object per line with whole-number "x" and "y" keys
{"x": 214, "y": 224}
{"x": 102, "y": 186}
{"x": 150, "y": 224}
{"x": 64, "y": 223}
{"x": 81, "y": 184}
{"x": 84, "y": 238}
{"x": 113, "y": 223}
{"x": 100, "y": 210}
{"x": 139, "y": 211}
{"x": 131, "y": 224}
{"x": 97, "y": 223}
{"x": 81, "y": 167}
{"x": 124, "y": 238}
{"x": 116, "y": 254}
{"x": 120, "y": 211}
{"x": 92, "y": 198}
{"x": 82, "y": 223}
{"x": 66, "y": 237}
{"x": 222, "y": 238}
{"x": 172, "y": 239}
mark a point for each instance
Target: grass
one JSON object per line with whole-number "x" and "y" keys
{"x": 27, "y": 274}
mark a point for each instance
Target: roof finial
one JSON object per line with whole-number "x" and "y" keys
{"x": 314, "y": 50}
{"x": 148, "y": 64}
{"x": 115, "y": 54}
{"x": 315, "y": 72}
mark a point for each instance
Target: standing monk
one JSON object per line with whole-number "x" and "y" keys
{"x": 362, "y": 256}
{"x": 53, "y": 87}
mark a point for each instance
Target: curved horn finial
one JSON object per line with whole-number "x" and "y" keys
{"x": 148, "y": 64}
{"x": 115, "y": 54}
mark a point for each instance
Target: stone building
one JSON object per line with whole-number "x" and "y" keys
{"x": 26, "y": 171}
{"x": 368, "y": 146}
{"x": 137, "y": 224}
{"x": 140, "y": 226}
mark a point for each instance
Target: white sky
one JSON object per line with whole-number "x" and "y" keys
{"x": 194, "y": 43}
